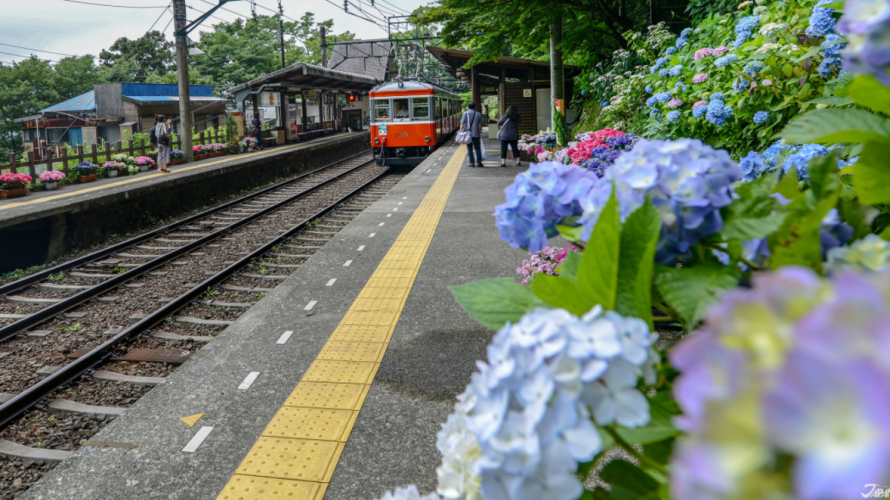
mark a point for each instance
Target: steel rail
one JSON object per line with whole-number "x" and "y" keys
{"x": 79, "y": 298}
{"x": 105, "y": 252}
{"x": 32, "y": 395}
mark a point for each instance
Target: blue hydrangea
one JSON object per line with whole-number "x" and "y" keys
{"x": 866, "y": 23}
{"x": 718, "y": 113}
{"x": 827, "y": 66}
{"x": 832, "y": 45}
{"x": 785, "y": 157}
{"x": 681, "y": 86}
{"x": 744, "y": 28}
{"x": 687, "y": 181}
{"x": 725, "y": 60}
{"x": 663, "y": 72}
{"x": 685, "y": 33}
{"x": 651, "y": 102}
{"x": 663, "y": 97}
{"x": 822, "y": 20}
{"x": 673, "y": 116}
{"x": 761, "y": 117}
{"x": 670, "y": 50}
{"x": 680, "y": 42}
{"x": 649, "y": 89}
{"x": 717, "y": 96}
{"x": 661, "y": 61}
{"x": 602, "y": 158}
{"x": 753, "y": 67}
{"x": 753, "y": 166}
{"x": 801, "y": 159}
{"x": 700, "y": 111}
{"x": 676, "y": 70}
{"x": 604, "y": 103}
{"x": 740, "y": 85}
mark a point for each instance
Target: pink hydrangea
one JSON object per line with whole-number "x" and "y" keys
{"x": 675, "y": 103}
{"x": 699, "y": 103}
{"x": 51, "y": 176}
{"x": 766, "y": 83}
{"x": 702, "y": 53}
{"x": 719, "y": 50}
{"x": 700, "y": 78}
{"x": 606, "y": 133}
{"x": 143, "y": 160}
{"x": 544, "y": 261}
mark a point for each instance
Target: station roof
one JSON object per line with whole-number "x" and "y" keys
{"x": 147, "y": 100}
{"x": 84, "y": 103}
{"x": 309, "y": 76}
{"x": 370, "y": 58}
{"x": 514, "y": 67}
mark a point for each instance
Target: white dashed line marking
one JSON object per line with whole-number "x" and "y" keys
{"x": 400, "y": 203}
{"x": 284, "y": 337}
{"x": 389, "y": 215}
{"x": 382, "y": 223}
{"x": 347, "y": 263}
{"x": 248, "y": 380}
{"x": 197, "y": 440}
{"x": 331, "y": 282}
{"x": 310, "y": 305}
{"x": 395, "y": 209}
{"x": 405, "y": 198}
{"x": 360, "y": 248}
{"x": 371, "y": 235}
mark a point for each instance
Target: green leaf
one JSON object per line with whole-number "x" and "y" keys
{"x": 598, "y": 272}
{"x": 571, "y": 233}
{"x": 824, "y": 178}
{"x": 663, "y": 409}
{"x": 569, "y": 267}
{"x": 639, "y": 237}
{"x": 660, "y": 451}
{"x": 561, "y": 292}
{"x": 690, "y": 290}
{"x": 494, "y": 302}
{"x": 869, "y": 93}
{"x": 788, "y": 186}
{"x": 837, "y": 125}
{"x": 751, "y": 228}
{"x": 810, "y": 53}
{"x": 872, "y": 175}
{"x": 797, "y": 243}
{"x": 831, "y": 101}
{"x": 628, "y": 481}
{"x": 847, "y": 191}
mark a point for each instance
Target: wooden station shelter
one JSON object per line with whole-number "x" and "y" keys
{"x": 524, "y": 83}
{"x": 330, "y": 88}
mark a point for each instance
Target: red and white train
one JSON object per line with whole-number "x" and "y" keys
{"x": 409, "y": 119}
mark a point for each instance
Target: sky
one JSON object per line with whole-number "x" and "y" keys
{"x": 69, "y": 28}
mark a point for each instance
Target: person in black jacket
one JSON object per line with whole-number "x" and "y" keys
{"x": 509, "y": 134}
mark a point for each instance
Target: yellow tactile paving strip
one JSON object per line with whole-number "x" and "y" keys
{"x": 141, "y": 178}
{"x": 296, "y": 454}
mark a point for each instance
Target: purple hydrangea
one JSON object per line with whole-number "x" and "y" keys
{"x": 793, "y": 369}
{"x": 866, "y": 23}
{"x": 675, "y": 103}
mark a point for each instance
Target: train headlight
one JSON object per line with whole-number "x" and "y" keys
{"x": 427, "y": 138}
{"x": 376, "y": 140}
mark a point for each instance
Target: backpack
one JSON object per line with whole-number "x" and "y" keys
{"x": 152, "y": 138}
{"x": 164, "y": 140}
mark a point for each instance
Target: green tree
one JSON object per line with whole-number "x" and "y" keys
{"x": 133, "y": 60}
{"x": 26, "y": 87}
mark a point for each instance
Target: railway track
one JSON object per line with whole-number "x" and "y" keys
{"x": 111, "y": 324}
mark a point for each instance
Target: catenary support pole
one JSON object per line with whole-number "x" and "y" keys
{"x": 281, "y": 31}
{"x": 557, "y": 84}
{"x": 182, "y": 70}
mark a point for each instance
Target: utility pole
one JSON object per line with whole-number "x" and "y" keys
{"x": 281, "y": 31}
{"x": 557, "y": 75}
{"x": 182, "y": 70}
{"x": 324, "y": 47}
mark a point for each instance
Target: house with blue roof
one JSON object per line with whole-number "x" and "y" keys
{"x": 112, "y": 111}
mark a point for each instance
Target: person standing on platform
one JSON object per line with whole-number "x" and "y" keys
{"x": 163, "y": 143}
{"x": 509, "y": 134}
{"x": 472, "y": 121}
{"x": 258, "y": 131}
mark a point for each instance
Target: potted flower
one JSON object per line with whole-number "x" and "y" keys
{"x": 87, "y": 172}
{"x": 113, "y": 168}
{"x": 234, "y": 148}
{"x": 199, "y": 152}
{"x": 248, "y": 143}
{"x": 132, "y": 169}
{"x": 154, "y": 156}
{"x": 14, "y": 185}
{"x": 176, "y": 157}
{"x": 144, "y": 163}
{"x": 51, "y": 178}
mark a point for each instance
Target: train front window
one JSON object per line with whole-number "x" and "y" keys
{"x": 421, "y": 108}
{"x": 400, "y": 108}
{"x": 381, "y": 110}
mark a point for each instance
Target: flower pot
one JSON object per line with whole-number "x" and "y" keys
{"x": 13, "y": 193}
{"x": 112, "y": 174}
{"x": 87, "y": 178}
{"x": 51, "y": 186}
{"x": 200, "y": 157}
{"x": 176, "y": 161}
{"x": 143, "y": 168}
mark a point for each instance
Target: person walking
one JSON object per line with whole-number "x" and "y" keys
{"x": 508, "y": 133}
{"x": 472, "y": 121}
{"x": 163, "y": 137}
{"x": 258, "y": 131}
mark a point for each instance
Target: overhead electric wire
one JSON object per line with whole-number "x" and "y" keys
{"x": 395, "y": 7}
{"x": 356, "y": 15}
{"x": 159, "y": 17}
{"x": 37, "y": 50}
{"x": 368, "y": 14}
{"x": 26, "y": 57}
{"x": 116, "y": 6}
{"x": 275, "y": 11}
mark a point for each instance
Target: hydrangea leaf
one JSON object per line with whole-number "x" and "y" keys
{"x": 659, "y": 452}
{"x": 798, "y": 243}
{"x": 828, "y": 126}
{"x": 663, "y": 409}
{"x": 629, "y": 482}
{"x": 494, "y": 302}
{"x": 569, "y": 267}
{"x": 598, "y": 272}
{"x": 751, "y": 228}
{"x": 824, "y": 178}
{"x": 561, "y": 292}
{"x": 869, "y": 93}
{"x": 691, "y": 290}
{"x": 639, "y": 238}
{"x": 753, "y": 215}
{"x": 788, "y": 187}
{"x": 872, "y": 177}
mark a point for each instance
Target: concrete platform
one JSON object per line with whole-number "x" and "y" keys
{"x": 429, "y": 359}
{"x": 47, "y": 223}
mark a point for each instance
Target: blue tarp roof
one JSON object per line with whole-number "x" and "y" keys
{"x": 81, "y": 104}
{"x": 163, "y": 89}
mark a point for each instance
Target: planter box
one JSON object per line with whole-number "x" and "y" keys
{"x": 200, "y": 157}
{"x": 112, "y": 174}
{"x": 523, "y": 155}
{"x": 87, "y": 178}
{"x": 51, "y": 186}
{"x": 176, "y": 161}
{"x": 13, "y": 193}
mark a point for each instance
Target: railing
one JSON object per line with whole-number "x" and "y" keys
{"x": 97, "y": 155}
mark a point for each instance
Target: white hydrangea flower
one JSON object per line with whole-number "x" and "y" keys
{"x": 409, "y": 493}
{"x": 767, "y": 47}
{"x": 871, "y": 253}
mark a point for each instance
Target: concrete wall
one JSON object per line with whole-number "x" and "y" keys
{"x": 47, "y": 231}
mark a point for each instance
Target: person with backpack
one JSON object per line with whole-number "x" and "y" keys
{"x": 162, "y": 136}
{"x": 509, "y": 134}
{"x": 257, "y": 131}
{"x": 472, "y": 121}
